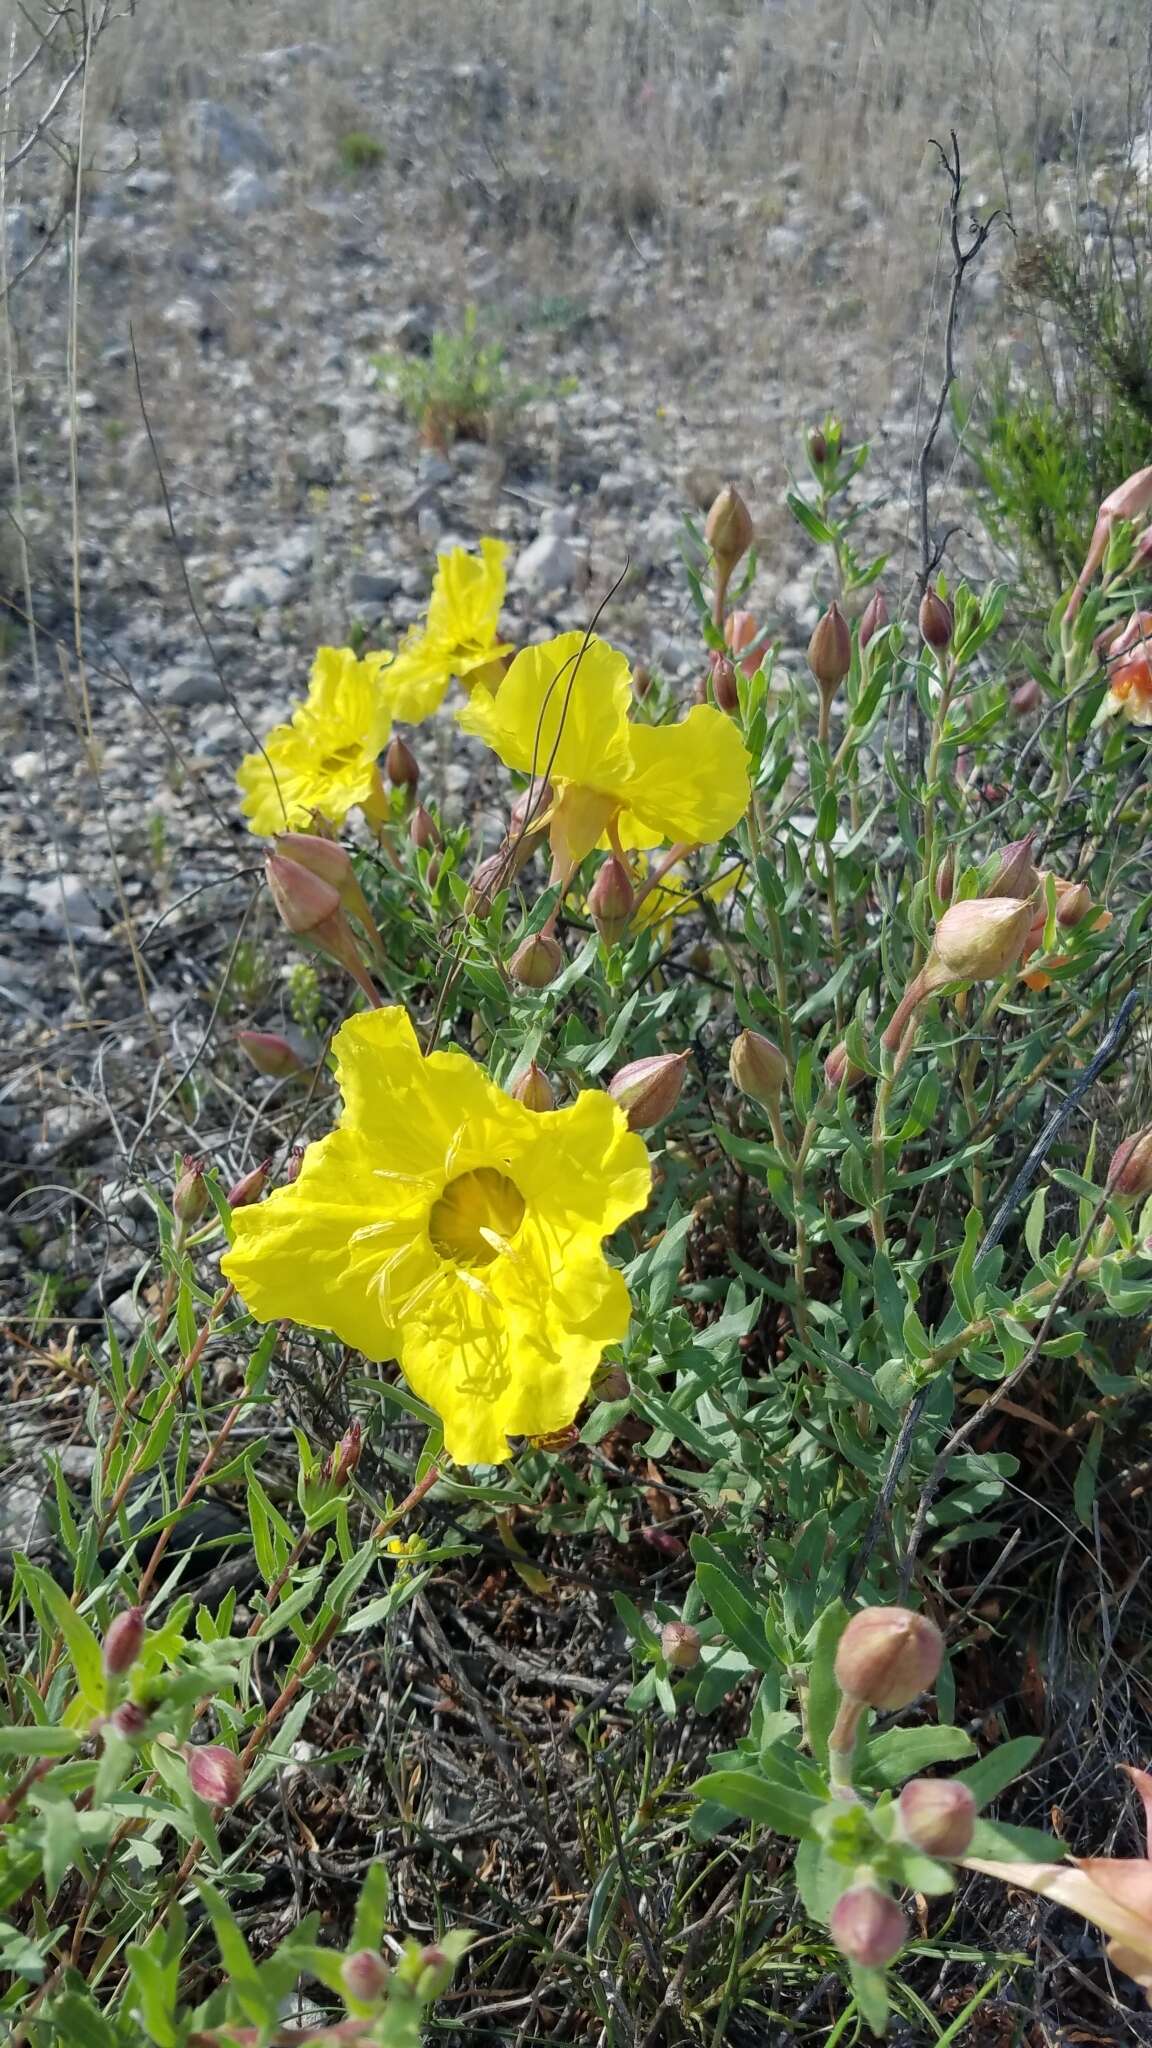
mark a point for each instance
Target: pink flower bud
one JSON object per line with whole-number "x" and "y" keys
{"x": 537, "y": 961}
{"x": 680, "y": 1645}
{"x": 129, "y": 1721}
{"x": 937, "y": 1815}
{"x": 123, "y": 1642}
{"x": 292, "y": 1165}
{"x": 867, "y": 1926}
{"x": 610, "y": 900}
{"x": 935, "y": 620}
{"x": 488, "y": 878}
{"x": 533, "y": 1089}
{"x": 530, "y": 807}
{"x": 648, "y": 1090}
{"x": 758, "y": 1068}
{"x": 365, "y": 1976}
{"x": 270, "y": 1054}
{"x": 724, "y": 686}
{"x": 980, "y": 940}
{"x": 346, "y": 1456}
{"x": 303, "y": 898}
{"x": 250, "y": 1186}
{"x": 840, "y": 1071}
{"x": 830, "y": 649}
{"x": 215, "y": 1774}
{"x": 1027, "y": 698}
{"x": 874, "y": 617}
{"x": 422, "y": 830}
{"x": 946, "y": 877}
{"x": 435, "y": 1973}
{"x": 728, "y": 529}
{"x": 1016, "y": 875}
{"x": 1130, "y": 1170}
{"x": 190, "y": 1196}
{"x": 740, "y": 632}
{"x": 888, "y": 1656}
{"x": 817, "y": 446}
{"x": 400, "y": 764}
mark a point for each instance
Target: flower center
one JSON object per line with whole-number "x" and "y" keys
{"x": 340, "y": 757}
{"x": 475, "y": 1216}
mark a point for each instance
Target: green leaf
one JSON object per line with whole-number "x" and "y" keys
{"x": 993, "y": 1842}
{"x": 786, "y": 1810}
{"x": 995, "y": 1772}
{"x": 39, "y": 1741}
{"x": 738, "y": 1616}
{"x": 78, "y": 2020}
{"x": 807, "y": 516}
{"x": 371, "y": 1909}
{"x": 1084, "y": 1487}
{"x": 902, "y": 1752}
{"x": 871, "y": 1992}
{"x": 823, "y": 1700}
{"x": 820, "y": 1877}
{"x": 55, "y": 1612}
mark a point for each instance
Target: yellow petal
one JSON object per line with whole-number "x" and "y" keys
{"x": 467, "y": 594}
{"x": 418, "y": 679}
{"x": 293, "y": 777}
{"x": 347, "y": 701}
{"x": 689, "y": 781}
{"x": 576, "y": 823}
{"x": 561, "y": 709}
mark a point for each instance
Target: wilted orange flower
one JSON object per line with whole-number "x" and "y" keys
{"x": 1128, "y": 659}
{"x": 1073, "y": 907}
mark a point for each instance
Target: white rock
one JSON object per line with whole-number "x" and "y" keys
{"x": 247, "y": 193}
{"x": 259, "y": 587}
{"x": 66, "y": 897}
{"x": 26, "y": 767}
{"x": 549, "y": 563}
{"x": 146, "y": 184}
{"x": 184, "y": 683}
{"x": 23, "y": 1519}
{"x": 363, "y": 445}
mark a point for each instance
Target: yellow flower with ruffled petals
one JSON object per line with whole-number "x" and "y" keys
{"x": 327, "y": 759}
{"x": 460, "y": 637}
{"x": 444, "y": 1225}
{"x": 562, "y": 711}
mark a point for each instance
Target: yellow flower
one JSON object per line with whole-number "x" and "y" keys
{"x": 561, "y": 711}
{"x": 447, "y": 1226}
{"x": 677, "y": 895}
{"x": 460, "y": 636}
{"x": 327, "y": 758}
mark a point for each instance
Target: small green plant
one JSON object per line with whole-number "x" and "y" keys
{"x": 360, "y": 152}
{"x": 304, "y": 997}
{"x": 459, "y": 391}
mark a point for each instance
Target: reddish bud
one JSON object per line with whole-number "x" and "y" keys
{"x": 250, "y": 1186}
{"x": 724, "y": 686}
{"x": 610, "y": 900}
{"x": 641, "y": 681}
{"x": 303, "y": 898}
{"x": 270, "y": 1054}
{"x": 129, "y": 1721}
{"x": 937, "y": 1815}
{"x": 365, "y": 1976}
{"x": 215, "y": 1774}
{"x": 422, "y": 830}
{"x": 758, "y": 1068}
{"x": 1028, "y": 697}
{"x": 830, "y": 649}
{"x": 648, "y": 1090}
{"x": 1130, "y": 1169}
{"x": 740, "y": 632}
{"x": 488, "y": 878}
{"x": 533, "y": 1089}
{"x": 537, "y": 961}
{"x": 680, "y": 1645}
{"x": 840, "y": 1071}
{"x": 817, "y": 446}
{"x": 123, "y": 1642}
{"x": 1073, "y": 902}
{"x": 935, "y": 620}
{"x": 292, "y": 1165}
{"x": 867, "y": 1926}
{"x": 1016, "y": 874}
{"x": 874, "y": 617}
{"x": 946, "y": 877}
{"x": 190, "y": 1195}
{"x": 400, "y": 764}
{"x": 435, "y": 1973}
{"x": 346, "y": 1456}
{"x": 728, "y": 529}
{"x": 888, "y": 1656}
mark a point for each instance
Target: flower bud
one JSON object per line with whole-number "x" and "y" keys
{"x": 320, "y": 856}
{"x": 123, "y": 1642}
{"x": 937, "y": 1815}
{"x": 648, "y": 1090}
{"x": 758, "y": 1068}
{"x": 537, "y": 961}
{"x": 190, "y": 1195}
{"x": 365, "y": 1976}
{"x": 250, "y": 1186}
{"x": 346, "y": 1456}
{"x": 840, "y": 1071}
{"x": 741, "y": 633}
{"x": 1027, "y": 697}
{"x": 641, "y": 682}
{"x": 292, "y": 1165}
{"x": 400, "y": 764}
{"x": 215, "y": 1774}
{"x": 303, "y": 898}
{"x": 946, "y": 877}
{"x": 830, "y": 649}
{"x": 728, "y": 529}
{"x": 1016, "y": 874}
{"x": 874, "y": 617}
{"x": 533, "y": 1089}
{"x": 817, "y": 446}
{"x": 935, "y": 620}
{"x": 724, "y": 686}
{"x": 611, "y": 1383}
{"x": 530, "y": 807}
{"x": 867, "y": 1926}
{"x": 981, "y": 940}
{"x": 422, "y": 830}
{"x": 488, "y": 878}
{"x": 1130, "y": 1170}
{"x": 129, "y": 1721}
{"x": 888, "y": 1656}
{"x": 680, "y": 1645}
{"x": 1073, "y": 902}
{"x": 610, "y": 900}
{"x": 270, "y": 1054}
{"x": 435, "y": 1973}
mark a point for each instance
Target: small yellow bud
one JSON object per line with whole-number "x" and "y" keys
{"x": 888, "y": 1656}
{"x": 728, "y": 529}
{"x": 758, "y": 1068}
{"x": 533, "y": 1089}
{"x": 537, "y": 961}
